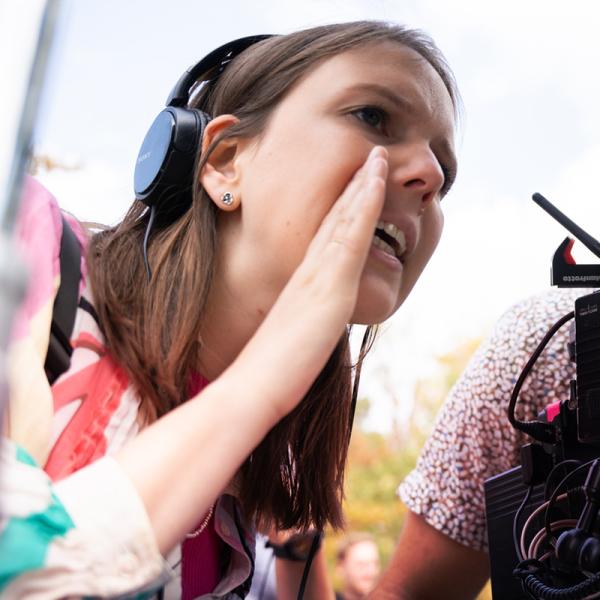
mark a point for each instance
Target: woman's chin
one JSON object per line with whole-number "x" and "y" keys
{"x": 375, "y": 308}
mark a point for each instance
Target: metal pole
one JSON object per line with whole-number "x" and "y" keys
{"x": 12, "y": 271}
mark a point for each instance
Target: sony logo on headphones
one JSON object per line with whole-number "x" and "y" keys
{"x": 143, "y": 157}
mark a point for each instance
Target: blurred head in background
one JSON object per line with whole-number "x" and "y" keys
{"x": 358, "y": 565}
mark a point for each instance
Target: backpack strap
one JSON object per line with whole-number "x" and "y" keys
{"x": 58, "y": 358}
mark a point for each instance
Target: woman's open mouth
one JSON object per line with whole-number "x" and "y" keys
{"x": 390, "y": 239}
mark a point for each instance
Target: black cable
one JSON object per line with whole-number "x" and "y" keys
{"x": 316, "y": 543}
{"x": 542, "y": 591}
{"x": 365, "y": 346}
{"x": 516, "y": 522}
{"x": 555, "y": 493}
{"x": 525, "y": 568}
{"x": 536, "y": 429}
{"x": 562, "y": 463}
{"x": 146, "y": 238}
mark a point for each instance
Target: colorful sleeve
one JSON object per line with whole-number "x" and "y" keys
{"x": 86, "y": 536}
{"x": 472, "y": 439}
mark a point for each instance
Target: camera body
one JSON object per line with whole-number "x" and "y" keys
{"x": 542, "y": 519}
{"x": 576, "y": 422}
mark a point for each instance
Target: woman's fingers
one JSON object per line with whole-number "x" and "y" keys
{"x": 352, "y": 199}
{"x": 325, "y": 285}
{"x": 355, "y": 226}
{"x": 351, "y": 221}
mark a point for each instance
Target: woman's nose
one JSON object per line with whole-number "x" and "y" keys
{"x": 416, "y": 170}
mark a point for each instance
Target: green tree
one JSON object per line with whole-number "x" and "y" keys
{"x": 378, "y": 463}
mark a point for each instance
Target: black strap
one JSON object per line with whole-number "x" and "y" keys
{"x": 58, "y": 358}
{"x": 314, "y": 547}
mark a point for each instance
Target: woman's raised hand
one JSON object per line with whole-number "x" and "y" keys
{"x": 197, "y": 448}
{"x": 298, "y": 335}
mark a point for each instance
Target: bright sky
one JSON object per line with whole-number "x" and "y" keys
{"x": 528, "y": 74}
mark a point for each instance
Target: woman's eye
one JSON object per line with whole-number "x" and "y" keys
{"x": 449, "y": 177}
{"x": 371, "y": 116}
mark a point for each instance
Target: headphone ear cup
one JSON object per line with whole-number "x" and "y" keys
{"x": 165, "y": 164}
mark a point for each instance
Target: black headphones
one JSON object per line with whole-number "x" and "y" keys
{"x": 164, "y": 169}
{"x": 164, "y": 166}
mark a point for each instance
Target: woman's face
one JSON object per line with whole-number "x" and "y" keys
{"x": 316, "y": 138}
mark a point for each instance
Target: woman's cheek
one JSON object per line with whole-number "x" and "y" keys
{"x": 432, "y": 224}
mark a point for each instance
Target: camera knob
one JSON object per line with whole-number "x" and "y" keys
{"x": 568, "y": 546}
{"x": 589, "y": 555}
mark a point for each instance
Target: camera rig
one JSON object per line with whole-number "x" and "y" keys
{"x": 543, "y": 516}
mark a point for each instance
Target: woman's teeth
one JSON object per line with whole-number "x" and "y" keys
{"x": 383, "y": 245}
{"x": 390, "y": 239}
{"x": 396, "y": 233}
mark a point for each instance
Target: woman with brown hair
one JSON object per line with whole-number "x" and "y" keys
{"x": 210, "y": 387}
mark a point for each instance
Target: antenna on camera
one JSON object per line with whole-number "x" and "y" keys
{"x": 565, "y": 271}
{"x": 584, "y": 237}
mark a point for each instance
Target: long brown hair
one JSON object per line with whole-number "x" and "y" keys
{"x": 294, "y": 478}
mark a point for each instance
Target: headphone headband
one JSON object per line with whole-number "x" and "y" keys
{"x": 217, "y": 59}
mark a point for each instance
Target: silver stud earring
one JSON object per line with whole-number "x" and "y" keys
{"x": 227, "y": 198}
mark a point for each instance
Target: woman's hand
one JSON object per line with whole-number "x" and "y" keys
{"x": 180, "y": 464}
{"x": 298, "y": 335}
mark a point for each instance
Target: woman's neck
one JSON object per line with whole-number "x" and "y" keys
{"x": 228, "y": 324}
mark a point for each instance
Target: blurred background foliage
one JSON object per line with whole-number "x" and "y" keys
{"x": 378, "y": 463}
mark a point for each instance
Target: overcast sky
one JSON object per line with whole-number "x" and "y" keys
{"x": 528, "y": 75}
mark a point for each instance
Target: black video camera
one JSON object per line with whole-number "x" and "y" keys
{"x": 543, "y": 516}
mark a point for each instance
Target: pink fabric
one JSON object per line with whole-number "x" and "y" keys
{"x": 37, "y": 234}
{"x": 200, "y": 555}
{"x": 96, "y": 386}
{"x": 99, "y": 388}
{"x": 200, "y": 562}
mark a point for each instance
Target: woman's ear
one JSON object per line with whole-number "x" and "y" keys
{"x": 220, "y": 174}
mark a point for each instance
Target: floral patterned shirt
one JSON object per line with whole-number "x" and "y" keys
{"x": 472, "y": 438}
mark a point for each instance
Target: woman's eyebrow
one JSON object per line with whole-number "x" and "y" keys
{"x": 384, "y": 91}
